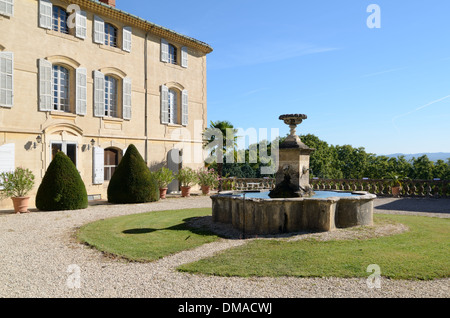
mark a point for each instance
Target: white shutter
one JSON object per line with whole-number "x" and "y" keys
{"x": 81, "y": 91}
{"x": 127, "y": 35}
{"x": 45, "y": 85}
{"x": 184, "y": 56}
{"x": 126, "y": 98}
{"x": 80, "y": 25}
{"x": 99, "y": 30}
{"x": 99, "y": 94}
{"x": 164, "y": 104}
{"x": 6, "y": 79}
{"x": 7, "y": 156}
{"x": 98, "y": 164}
{"x": 7, "y": 7}
{"x": 164, "y": 51}
{"x": 184, "y": 108}
{"x": 45, "y": 14}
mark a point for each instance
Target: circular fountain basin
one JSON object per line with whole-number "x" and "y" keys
{"x": 256, "y": 213}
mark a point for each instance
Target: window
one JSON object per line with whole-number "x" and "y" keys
{"x": 173, "y": 106}
{"x": 172, "y": 54}
{"x": 110, "y": 35}
{"x": 169, "y": 54}
{"x": 111, "y": 162}
{"x": 70, "y": 149}
{"x": 61, "y": 89}
{"x": 59, "y": 21}
{"x": 110, "y": 96}
{"x": 6, "y": 79}
{"x": 7, "y": 7}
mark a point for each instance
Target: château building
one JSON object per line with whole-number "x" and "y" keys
{"x": 88, "y": 79}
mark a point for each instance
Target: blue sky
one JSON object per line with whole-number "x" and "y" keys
{"x": 385, "y": 89}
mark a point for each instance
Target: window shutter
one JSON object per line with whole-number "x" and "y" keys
{"x": 164, "y": 104}
{"x": 164, "y": 51}
{"x": 99, "y": 30}
{"x": 184, "y": 108}
{"x": 81, "y": 91}
{"x": 127, "y": 98}
{"x": 7, "y": 157}
{"x": 98, "y": 164}
{"x": 99, "y": 94}
{"x": 184, "y": 56}
{"x": 127, "y": 35}
{"x": 45, "y": 85}
{"x": 45, "y": 14}
{"x": 6, "y": 79}
{"x": 7, "y": 7}
{"x": 81, "y": 25}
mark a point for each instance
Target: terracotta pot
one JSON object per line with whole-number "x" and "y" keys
{"x": 396, "y": 191}
{"x": 185, "y": 192}
{"x": 21, "y": 204}
{"x": 162, "y": 193}
{"x": 205, "y": 189}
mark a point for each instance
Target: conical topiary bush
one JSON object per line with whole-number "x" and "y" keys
{"x": 132, "y": 181}
{"x": 62, "y": 187}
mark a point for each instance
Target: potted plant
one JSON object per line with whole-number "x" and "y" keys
{"x": 395, "y": 181}
{"x": 187, "y": 178}
{"x": 207, "y": 178}
{"x": 16, "y": 185}
{"x": 164, "y": 177}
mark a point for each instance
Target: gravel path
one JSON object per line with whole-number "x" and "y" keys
{"x": 38, "y": 258}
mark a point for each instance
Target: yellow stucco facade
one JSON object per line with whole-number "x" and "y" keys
{"x": 36, "y": 130}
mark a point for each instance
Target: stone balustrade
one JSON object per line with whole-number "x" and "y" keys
{"x": 380, "y": 187}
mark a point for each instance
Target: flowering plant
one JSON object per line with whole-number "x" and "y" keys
{"x": 17, "y": 183}
{"x": 187, "y": 177}
{"x": 208, "y": 177}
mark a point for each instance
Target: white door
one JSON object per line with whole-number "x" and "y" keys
{"x": 174, "y": 159}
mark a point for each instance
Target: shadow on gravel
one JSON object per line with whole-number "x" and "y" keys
{"x": 416, "y": 205}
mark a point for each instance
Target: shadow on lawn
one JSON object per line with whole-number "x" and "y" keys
{"x": 179, "y": 227}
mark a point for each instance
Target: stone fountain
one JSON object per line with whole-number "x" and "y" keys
{"x": 292, "y": 178}
{"x": 292, "y": 206}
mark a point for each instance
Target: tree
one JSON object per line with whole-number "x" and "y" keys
{"x": 132, "y": 181}
{"x": 62, "y": 187}
{"x": 422, "y": 168}
{"x": 227, "y": 145}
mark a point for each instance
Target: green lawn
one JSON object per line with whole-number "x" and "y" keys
{"x": 146, "y": 237}
{"x": 422, "y": 253}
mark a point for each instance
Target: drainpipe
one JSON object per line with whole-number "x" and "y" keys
{"x": 146, "y": 97}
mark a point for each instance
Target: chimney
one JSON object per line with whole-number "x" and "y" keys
{"x": 111, "y": 3}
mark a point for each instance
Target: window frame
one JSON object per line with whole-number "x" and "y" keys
{"x": 109, "y": 169}
{"x": 111, "y": 40}
{"x": 58, "y": 23}
{"x": 64, "y": 145}
{"x": 57, "y": 91}
{"x": 111, "y": 99}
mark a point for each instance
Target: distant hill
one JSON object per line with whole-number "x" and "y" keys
{"x": 432, "y": 156}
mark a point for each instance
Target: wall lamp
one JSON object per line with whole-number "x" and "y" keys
{"x": 38, "y": 141}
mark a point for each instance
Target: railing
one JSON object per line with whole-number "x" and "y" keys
{"x": 248, "y": 184}
{"x": 380, "y": 187}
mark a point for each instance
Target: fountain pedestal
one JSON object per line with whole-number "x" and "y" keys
{"x": 292, "y": 178}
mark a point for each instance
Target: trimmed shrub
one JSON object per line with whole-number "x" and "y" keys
{"x": 132, "y": 181}
{"x": 62, "y": 187}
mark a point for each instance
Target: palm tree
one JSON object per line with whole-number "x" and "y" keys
{"x": 226, "y": 131}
